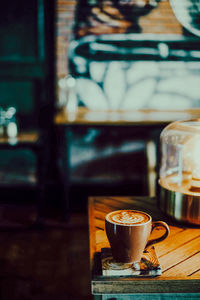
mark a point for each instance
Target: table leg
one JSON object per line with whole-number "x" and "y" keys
{"x": 42, "y": 169}
{"x": 64, "y": 140}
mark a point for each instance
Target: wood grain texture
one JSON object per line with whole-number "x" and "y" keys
{"x": 179, "y": 254}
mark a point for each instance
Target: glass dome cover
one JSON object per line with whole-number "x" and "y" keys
{"x": 180, "y": 157}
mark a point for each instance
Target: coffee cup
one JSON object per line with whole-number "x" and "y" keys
{"x": 128, "y": 233}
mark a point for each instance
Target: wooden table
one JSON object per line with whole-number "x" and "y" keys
{"x": 179, "y": 256}
{"x": 82, "y": 116}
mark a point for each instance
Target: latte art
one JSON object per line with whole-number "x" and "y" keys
{"x": 128, "y": 217}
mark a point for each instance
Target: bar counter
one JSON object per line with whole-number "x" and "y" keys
{"x": 143, "y": 117}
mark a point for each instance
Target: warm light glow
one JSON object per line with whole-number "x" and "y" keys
{"x": 191, "y": 159}
{"x": 181, "y": 159}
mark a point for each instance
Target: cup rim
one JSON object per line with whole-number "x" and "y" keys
{"x": 128, "y": 225}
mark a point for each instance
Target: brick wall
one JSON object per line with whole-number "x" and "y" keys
{"x": 65, "y": 19}
{"x": 159, "y": 20}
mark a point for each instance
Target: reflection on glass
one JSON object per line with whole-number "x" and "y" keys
{"x": 180, "y": 165}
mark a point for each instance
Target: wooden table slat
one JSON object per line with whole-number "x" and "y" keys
{"x": 100, "y": 236}
{"x": 176, "y": 256}
{"x": 172, "y": 243}
{"x": 196, "y": 274}
{"x": 187, "y": 267}
{"x": 99, "y": 223}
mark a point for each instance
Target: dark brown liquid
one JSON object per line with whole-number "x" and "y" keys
{"x": 128, "y": 217}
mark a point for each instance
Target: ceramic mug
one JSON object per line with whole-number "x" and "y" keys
{"x": 128, "y": 232}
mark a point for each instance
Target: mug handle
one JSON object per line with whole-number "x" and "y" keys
{"x": 161, "y": 238}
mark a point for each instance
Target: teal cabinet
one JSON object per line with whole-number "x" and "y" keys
{"x": 27, "y": 60}
{"x": 27, "y": 78}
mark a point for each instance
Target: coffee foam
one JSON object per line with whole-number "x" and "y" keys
{"x": 128, "y": 217}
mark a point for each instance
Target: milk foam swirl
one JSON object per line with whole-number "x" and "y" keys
{"x": 126, "y": 218}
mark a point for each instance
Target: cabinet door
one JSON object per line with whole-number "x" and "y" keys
{"x": 27, "y": 59}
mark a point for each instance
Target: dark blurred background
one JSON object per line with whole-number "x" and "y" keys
{"x": 37, "y": 158}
